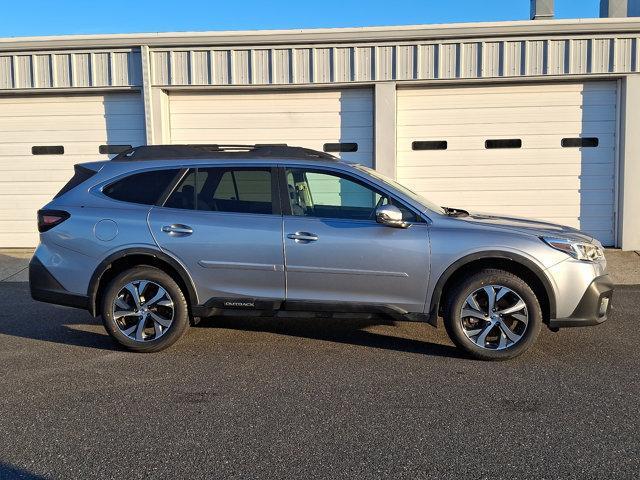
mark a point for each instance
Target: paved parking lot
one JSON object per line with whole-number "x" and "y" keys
{"x": 301, "y": 398}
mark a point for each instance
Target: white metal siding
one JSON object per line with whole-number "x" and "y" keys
{"x": 308, "y": 118}
{"x": 79, "y": 123}
{"x": 571, "y": 186}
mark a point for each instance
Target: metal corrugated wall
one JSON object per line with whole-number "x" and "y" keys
{"x": 37, "y": 70}
{"x": 323, "y": 64}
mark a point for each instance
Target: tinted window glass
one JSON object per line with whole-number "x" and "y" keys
{"x": 145, "y": 187}
{"x": 225, "y": 190}
{"x": 328, "y": 195}
{"x": 184, "y": 196}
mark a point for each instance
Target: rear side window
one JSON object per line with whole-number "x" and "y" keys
{"x": 81, "y": 175}
{"x": 235, "y": 190}
{"x": 145, "y": 188}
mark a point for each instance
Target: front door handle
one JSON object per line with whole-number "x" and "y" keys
{"x": 303, "y": 237}
{"x": 177, "y": 230}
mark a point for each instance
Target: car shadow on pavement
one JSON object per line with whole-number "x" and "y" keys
{"x": 22, "y": 317}
{"x": 351, "y": 331}
{"x": 8, "y": 472}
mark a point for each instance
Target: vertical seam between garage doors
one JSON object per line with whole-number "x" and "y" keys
{"x": 616, "y": 167}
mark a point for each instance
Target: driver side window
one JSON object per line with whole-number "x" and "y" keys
{"x": 331, "y": 195}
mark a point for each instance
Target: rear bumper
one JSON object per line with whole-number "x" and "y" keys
{"x": 593, "y": 308}
{"x": 45, "y": 288}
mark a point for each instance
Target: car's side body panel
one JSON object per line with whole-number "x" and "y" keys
{"x": 357, "y": 261}
{"x": 228, "y": 255}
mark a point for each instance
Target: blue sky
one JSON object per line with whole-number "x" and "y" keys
{"x": 55, "y": 17}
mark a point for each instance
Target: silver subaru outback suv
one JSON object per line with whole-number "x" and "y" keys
{"x": 160, "y": 236}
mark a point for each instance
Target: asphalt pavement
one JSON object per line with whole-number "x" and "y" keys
{"x": 313, "y": 398}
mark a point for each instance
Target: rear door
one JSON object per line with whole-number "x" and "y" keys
{"x": 224, "y": 224}
{"x": 335, "y": 251}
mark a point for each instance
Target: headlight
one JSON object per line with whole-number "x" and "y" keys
{"x": 579, "y": 250}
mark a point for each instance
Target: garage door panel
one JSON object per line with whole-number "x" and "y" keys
{"x": 574, "y": 170}
{"x": 529, "y": 89}
{"x": 488, "y": 183}
{"x": 498, "y": 100}
{"x": 18, "y": 239}
{"x": 80, "y": 123}
{"x": 274, "y": 95}
{"x": 541, "y": 179}
{"x": 472, "y": 199}
{"x": 309, "y": 119}
{"x": 64, "y": 109}
{"x": 36, "y": 175}
{"x": 585, "y": 156}
{"x": 326, "y": 134}
{"x": 460, "y": 116}
{"x": 568, "y": 129}
{"x": 17, "y": 213}
{"x": 272, "y": 120}
{"x": 555, "y": 211}
{"x": 250, "y": 106}
{"x": 60, "y": 137}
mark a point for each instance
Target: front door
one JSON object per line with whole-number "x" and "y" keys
{"x": 224, "y": 224}
{"x": 335, "y": 251}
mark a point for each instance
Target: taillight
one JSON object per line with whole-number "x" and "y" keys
{"x": 47, "y": 219}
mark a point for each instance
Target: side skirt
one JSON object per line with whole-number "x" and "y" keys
{"x": 261, "y": 307}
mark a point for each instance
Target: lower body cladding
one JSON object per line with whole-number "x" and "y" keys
{"x": 270, "y": 307}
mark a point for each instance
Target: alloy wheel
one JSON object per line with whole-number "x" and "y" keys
{"x": 494, "y": 317}
{"x": 143, "y": 310}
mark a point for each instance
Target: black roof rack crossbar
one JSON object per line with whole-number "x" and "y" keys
{"x": 193, "y": 151}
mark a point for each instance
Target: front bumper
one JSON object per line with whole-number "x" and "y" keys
{"x": 593, "y": 308}
{"x": 45, "y": 288}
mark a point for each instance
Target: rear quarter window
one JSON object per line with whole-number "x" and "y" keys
{"x": 142, "y": 188}
{"x": 81, "y": 175}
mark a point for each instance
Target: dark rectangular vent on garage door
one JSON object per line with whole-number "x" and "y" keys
{"x": 504, "y": 143}
{"x": 47, "y": 150}
{"x": 340, "y": 147}
{"x": 590, "y": 142}
{"x": 429, "y": 145}
{"x": 113, "y": 149}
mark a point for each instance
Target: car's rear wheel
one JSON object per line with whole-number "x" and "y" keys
{"x": 493, "y": 315}
{"x": 144, "y": 309}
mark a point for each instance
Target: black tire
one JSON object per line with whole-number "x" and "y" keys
{"x": 456, "y": 299}
{"x": 180, "y": 321}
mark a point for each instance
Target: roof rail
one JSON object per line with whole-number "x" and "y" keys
{"x": 193, "y": 151}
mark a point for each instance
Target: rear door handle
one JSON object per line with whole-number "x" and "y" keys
{"x": 177, "y": 230}
{"x": 303, "y": 237}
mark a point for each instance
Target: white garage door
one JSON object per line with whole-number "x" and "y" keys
{"x": 309, "y": 118}
{"x": 554, "y": 157}
{"x": 78, "y": 124}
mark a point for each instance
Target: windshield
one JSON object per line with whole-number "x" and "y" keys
{"x": 414, "y": 196}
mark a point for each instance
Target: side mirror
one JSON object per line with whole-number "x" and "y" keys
{"x": 391, "y": 216}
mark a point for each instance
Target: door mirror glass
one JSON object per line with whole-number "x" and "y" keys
{"x": 390, "y": 215}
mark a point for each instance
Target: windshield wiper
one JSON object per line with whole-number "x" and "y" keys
{"x": 455, "y": 212}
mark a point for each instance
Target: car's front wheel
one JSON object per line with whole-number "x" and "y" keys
{"x": 493, "y": 315}
{"x": 144, "y": 309}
